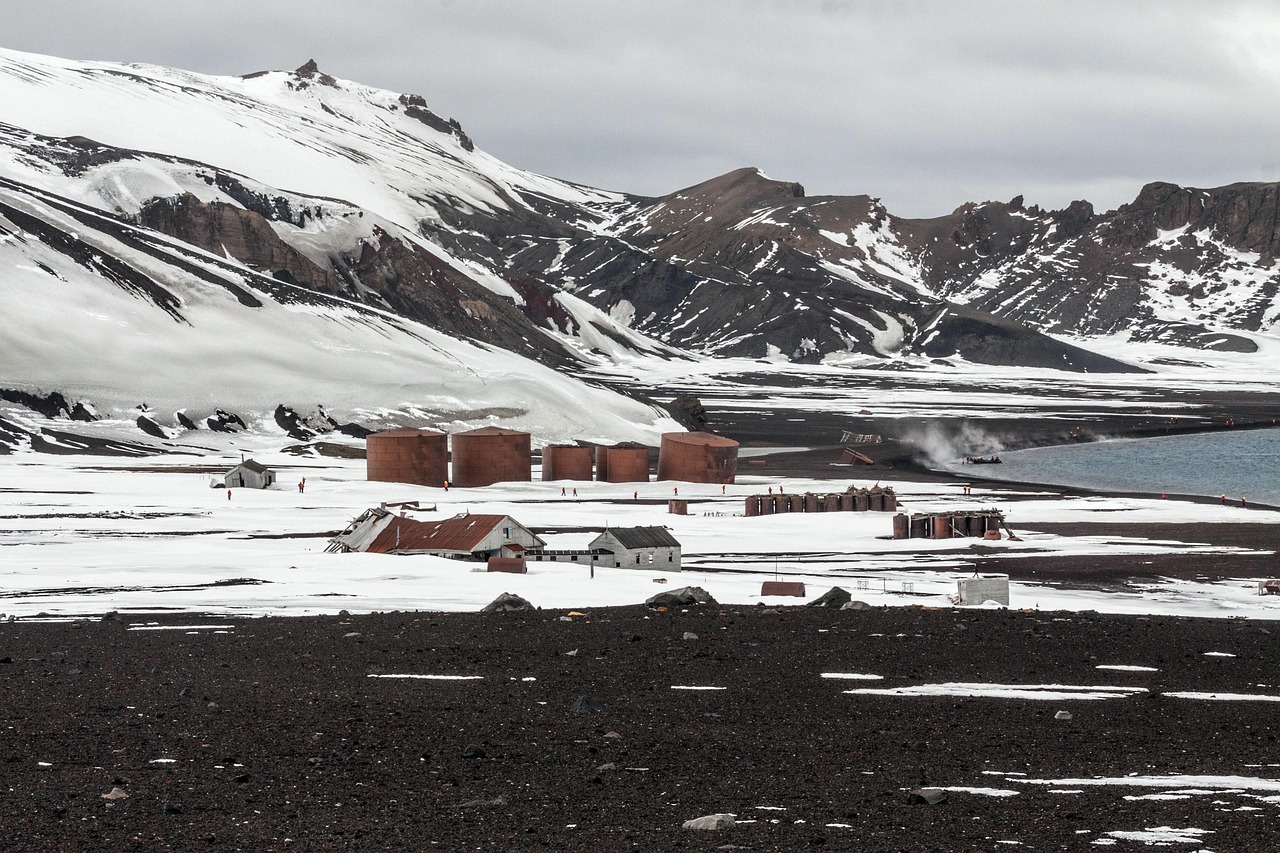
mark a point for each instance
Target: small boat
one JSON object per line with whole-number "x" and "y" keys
{"x": 982, "y": 460}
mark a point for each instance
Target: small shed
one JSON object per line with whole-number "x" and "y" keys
{"x": 249, "y": 475}
{"x": 638, "y": 548}
{"x": 980, "y": 589}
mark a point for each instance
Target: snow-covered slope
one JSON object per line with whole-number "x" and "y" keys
{"x": 104, "y": 310}
{"x": 185, "y": 237}
{"x": 332, "y": 183}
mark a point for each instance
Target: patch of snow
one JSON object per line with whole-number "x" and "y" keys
{"x": 1039, "y": 692}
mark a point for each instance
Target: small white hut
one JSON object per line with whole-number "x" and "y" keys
{"x": 249, "y": 475}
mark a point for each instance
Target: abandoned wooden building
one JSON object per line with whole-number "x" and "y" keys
{"x": 249, "y": 475}
{"x": 620, "y": 548}
{"x": 463, "y": 537}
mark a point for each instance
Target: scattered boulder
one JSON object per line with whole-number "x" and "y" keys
{"x": 471, "y": 750}
{"x": 116, "y": 794}
{"x": 834, "y": 597}
{"x": 586, "y": 705}
{"x": 855, "y": 605}
{"x": 711, "y": 822}
{"x": 928, "y": 796}
{"x": 150, "y": 427}
{"x": 1062, "y": 715}
{"x": 508, "y": 603}
{"x": 683, "y": 597}
{"x": 689, "y": 412}
{"x": 689, "y": 635}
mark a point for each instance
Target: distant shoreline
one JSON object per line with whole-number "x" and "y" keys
{"x": 904, "y": 459}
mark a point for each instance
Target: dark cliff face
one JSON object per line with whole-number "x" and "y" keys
{"x": 1179, "y": 265}
{"x": 243, "y": 234}
{"x": 384, "y": 271}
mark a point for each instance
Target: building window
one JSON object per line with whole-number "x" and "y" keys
{"x": 574, "y": 558}
{"x": 637, "y": 559}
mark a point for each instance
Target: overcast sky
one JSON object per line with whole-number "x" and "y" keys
{"x": 923, "y": 104}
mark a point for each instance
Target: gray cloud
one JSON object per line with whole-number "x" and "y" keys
{"x": 923, "y": 104}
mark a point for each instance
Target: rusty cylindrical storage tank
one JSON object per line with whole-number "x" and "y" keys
{"x": 697, "y": 457}
{"x": 876, "y": 499}
{"x": 797, "y": 503}
{"x": 623, "y": 463}
{"x": 942, "y": 527}
{"x": 920, "y": 528}
{"x": 901, "y": 527}
{"x": 419, "y": 456}
{"x": 811, "y": 502}
{"x": 861, "y": 501}
{"x": 890, "y": 500}
{"x": 566, "y": 462}
{"x": 491, "y": 455}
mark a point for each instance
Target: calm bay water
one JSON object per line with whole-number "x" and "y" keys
{"x": 1237, "y": 463}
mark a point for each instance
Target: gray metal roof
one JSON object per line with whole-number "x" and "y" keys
{"x": 644, "y": 537}
{"x": 256, "y": 467}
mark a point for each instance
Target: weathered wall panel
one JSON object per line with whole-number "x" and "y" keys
{"x": 566, "y": 462}
{"x": 625, "y": 463}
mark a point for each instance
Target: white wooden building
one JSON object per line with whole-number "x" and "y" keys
{"x": 249, "y": 475}
{"x": 651, "y": 548}
{"x": 639, "y": 548}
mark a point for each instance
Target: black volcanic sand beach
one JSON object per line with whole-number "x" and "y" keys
{"x": 274, "y": 737}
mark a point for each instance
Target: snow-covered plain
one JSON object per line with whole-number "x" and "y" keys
{"x": 87, "y": 535}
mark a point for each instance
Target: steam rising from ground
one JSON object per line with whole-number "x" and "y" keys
{"x": 944, "y": 445}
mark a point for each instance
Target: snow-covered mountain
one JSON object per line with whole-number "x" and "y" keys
{"x": 199, "y": 242}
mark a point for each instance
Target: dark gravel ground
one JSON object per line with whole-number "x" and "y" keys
{"x": 279, "y": 740}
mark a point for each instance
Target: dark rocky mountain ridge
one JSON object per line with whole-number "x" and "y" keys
{"x": 739, "y": 265}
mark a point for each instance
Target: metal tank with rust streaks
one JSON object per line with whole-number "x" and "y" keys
{"x": 490, "y": 455}
{"x": 418, "y": 456}
{"x": 697, "y": 457}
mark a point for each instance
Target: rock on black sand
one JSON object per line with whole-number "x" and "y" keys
{"x": 506, "y": 603}
{"x": 711, "y": 821}
{"x": 834, "y": 597}
{"x": 683, "y": 597}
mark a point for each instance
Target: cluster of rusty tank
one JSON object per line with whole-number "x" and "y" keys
{"x": 490, "y": 455}
{"x": 874, "y": 499}
{"x": 983, "y": 524}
